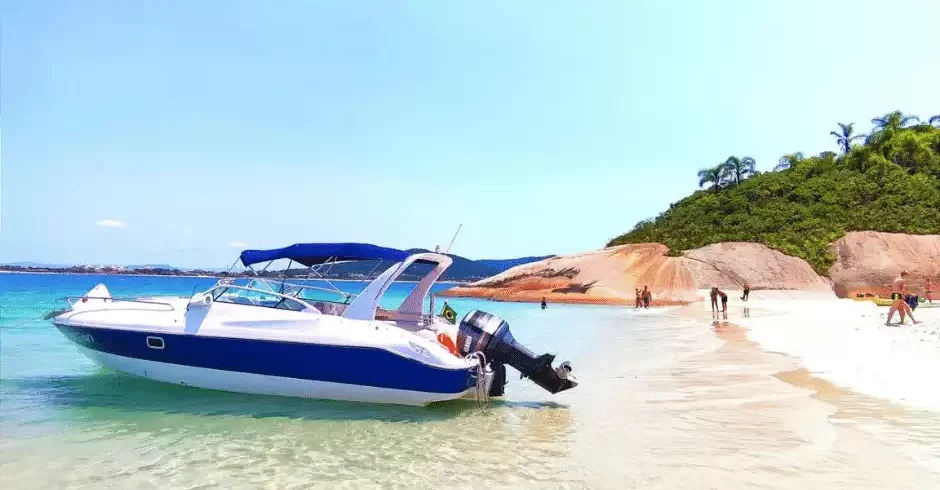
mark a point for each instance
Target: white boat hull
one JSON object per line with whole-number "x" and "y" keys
{"x": 257, "y": 384}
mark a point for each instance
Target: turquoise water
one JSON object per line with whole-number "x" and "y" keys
{"x": 663, "y": 403}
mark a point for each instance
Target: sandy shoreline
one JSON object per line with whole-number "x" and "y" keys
{"x": 842, "y": 342}
{"x": 845, "y": 343}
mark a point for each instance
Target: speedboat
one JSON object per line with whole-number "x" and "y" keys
{"x": 282, "y": 336}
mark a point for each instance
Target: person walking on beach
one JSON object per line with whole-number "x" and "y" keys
{"x": 714, "y": 297}
{"x": 898, "y": 290}
{"x": 747, "y": 291}
{"x": 647, "y": 297}
{"x": 928, "y": 292}
{"x": 639, "y": 298}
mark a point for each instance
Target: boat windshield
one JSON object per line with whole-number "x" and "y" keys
{"x": 281, "y": 293}
{"x": 243, "y": 295}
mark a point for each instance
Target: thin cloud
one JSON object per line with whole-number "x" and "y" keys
{"x": 110, "y": 223}
{"x": 237, "y": 245}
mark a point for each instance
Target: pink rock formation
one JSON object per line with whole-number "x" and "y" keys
{"x": 600, "y": 276}
{"x": 611, "y": 275}
{"x": 730, "y": 264}
{"x": 868, "y": 262}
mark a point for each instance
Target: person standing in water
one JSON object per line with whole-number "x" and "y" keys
{"x": 544, "y": 304}
{"x": 898, "y": 290}
{"x": 724, "y": 300}
{"x": 714, "y": 296}
{"x": 639, "y": 298}
{"x": 747, "y": 291}
{"x": 647, "y": 297}
{"x": 928, "y": 292}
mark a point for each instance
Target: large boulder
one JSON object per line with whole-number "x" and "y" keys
{"x": 868, "y": 262}
{"x": 611, "y": 275}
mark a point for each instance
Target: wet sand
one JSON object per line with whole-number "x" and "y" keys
{"x": 912, "y": 432}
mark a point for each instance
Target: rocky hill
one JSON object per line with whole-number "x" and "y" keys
{"x": 796, "y": 228}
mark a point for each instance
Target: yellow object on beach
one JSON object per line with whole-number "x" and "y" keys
{"x": 878, "y": 301}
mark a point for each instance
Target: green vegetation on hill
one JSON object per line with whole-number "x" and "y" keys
{"x": 890, "y": 183}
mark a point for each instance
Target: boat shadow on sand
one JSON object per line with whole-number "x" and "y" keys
{"x": 109, "y": 394}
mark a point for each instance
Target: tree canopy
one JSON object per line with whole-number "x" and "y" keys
{"x": 890, "y": 183}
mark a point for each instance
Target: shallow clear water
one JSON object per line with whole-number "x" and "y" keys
{"x": 664, "y": 402}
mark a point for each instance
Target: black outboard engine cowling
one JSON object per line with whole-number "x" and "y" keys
{"x": 483, "y": 332}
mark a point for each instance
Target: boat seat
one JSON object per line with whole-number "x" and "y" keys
{"x": 328, "y": 308}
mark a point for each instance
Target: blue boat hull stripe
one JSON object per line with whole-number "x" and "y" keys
{"x": 337, "y": 364}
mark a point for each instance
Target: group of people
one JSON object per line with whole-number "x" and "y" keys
{"x": 899, "y": 294}
{"x": 644, "y": 297}
{"x": 899, "y": 291}
{"x": 715, "y": 294}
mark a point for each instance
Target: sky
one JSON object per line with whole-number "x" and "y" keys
{"x": 180, "y": 132}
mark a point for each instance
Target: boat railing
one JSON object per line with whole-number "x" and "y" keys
{"x": 73, "y": 300}
{"x": 300, "y": 287}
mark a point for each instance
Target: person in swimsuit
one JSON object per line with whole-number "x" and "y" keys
{"x": 898, "y": 290}
{"x": 724, "y": 301}
{"x": 928, "y": 291}
{"x": 714, "y": 297}
{"x": 544, "y": 304}
{"x": 747, "y": 291}
{"x": 639, "y": 298}
{"x": 647, "y": 296}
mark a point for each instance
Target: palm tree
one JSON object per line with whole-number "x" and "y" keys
{"x": 750, "y": 165}
{"x": 934, "y": 120}
{"x": 893, "y": 120}
{"x": 789, "y": 160}
{"x": 739, "y": 168}
{"x": 845, "y": 137}
{"x": 889, "y": 123}
{"x": 712, "y": 175}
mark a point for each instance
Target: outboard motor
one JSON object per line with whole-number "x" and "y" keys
{"x": 483, "y": 332}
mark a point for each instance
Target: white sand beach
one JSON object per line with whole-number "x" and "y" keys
{"x": 847, "y": 342}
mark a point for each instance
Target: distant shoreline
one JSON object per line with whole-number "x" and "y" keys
{"x": 194, "y": 275}
{"x": 92, "y": 273}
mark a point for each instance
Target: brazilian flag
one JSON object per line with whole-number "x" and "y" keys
{"x": 449, "y": 314}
